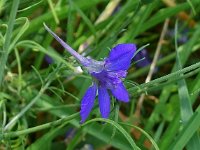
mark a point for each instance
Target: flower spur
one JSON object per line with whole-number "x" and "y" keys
{"x": 107, "y": 75}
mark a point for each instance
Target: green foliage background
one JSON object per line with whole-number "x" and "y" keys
{"x": 40, "y": 102}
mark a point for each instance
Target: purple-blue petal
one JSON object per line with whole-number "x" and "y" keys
{"x": 87, "y": 102}
{"x": 120, "y": 93}
{"x": 108, "y": 79}
{"x": 120, "y": 57}
{"x": 104, "y": 102}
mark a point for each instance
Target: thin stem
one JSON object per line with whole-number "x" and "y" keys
{"x": 38, "y": 128}
{"x": 152, "y": 66}
{"x": 150, "y": 87}
{"x": 172, "y": 77}
{"x": 25, "y": 109}
{"x": 8, "y": 36}
{"x": 4, "y": 114}
{"x": 53, "y": 12}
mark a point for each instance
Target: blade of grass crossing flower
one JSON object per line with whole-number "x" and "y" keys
{"x": 8, "y": 36}
{"x": 144, "y": 70}
{"x": 185, "y": 101}
{"x": 116, "y": 125}
{"x": 140, "y": 49}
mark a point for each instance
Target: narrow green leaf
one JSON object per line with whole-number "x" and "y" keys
{"x": 21, "y": 31}
{"x": 85, "y": 18}
{"x": 45, "y": 142}
{"x": 4, "y": 56}
{"x": 187, "y": 132}
{"x": 95, "y": 130}
{"x": 185, "y": 101}
{"x": 126, "y": 135}
{"x": 145, "y": 133}
{"x": 38, "y": 128}
{"x": 37, "y": 47}
{"x": 166, "y": 13}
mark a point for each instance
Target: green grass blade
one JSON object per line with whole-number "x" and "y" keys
{"x": 53, "y": 12}
{"x": 166, "y": 13}
{"x": 94, "y": 130}
{"x": 185, "y": 101}
{"x": 39, "y": 127}
{"x": 21, "y": 31}
{"x": 85, "y": 18}
{"x": 113, "y": 123}
{"x": 145, "y": 133}
{"x": 37, "y": 47}
{"x": 187, "y": 132}
{"x": 4, "y": 56}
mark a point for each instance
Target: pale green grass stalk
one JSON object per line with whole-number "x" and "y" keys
{"x": 5, "y": 53}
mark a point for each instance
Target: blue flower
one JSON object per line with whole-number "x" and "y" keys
{"x": 107, "y": 76}
{"x": 143, "y": 54}
{"x": 182, "y": 36}
{"x": 48, "y": 59}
